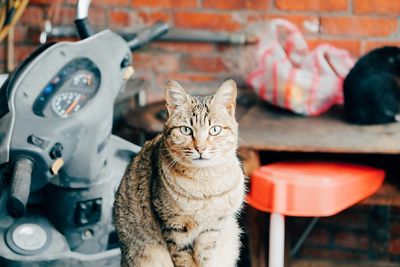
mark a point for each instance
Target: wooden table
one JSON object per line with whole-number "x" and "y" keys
{"x": 264, "y": 127}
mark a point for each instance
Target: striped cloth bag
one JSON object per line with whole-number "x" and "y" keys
{"x": 289, "y": 76}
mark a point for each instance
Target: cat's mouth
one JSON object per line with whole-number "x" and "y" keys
{"x": 201, "y": 158}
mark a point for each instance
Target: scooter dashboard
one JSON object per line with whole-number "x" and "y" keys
{"x": 69, "y": 90}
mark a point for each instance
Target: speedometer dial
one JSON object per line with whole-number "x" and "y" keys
{"x": 69, "y": 90}
{"x": 65, "y": 104}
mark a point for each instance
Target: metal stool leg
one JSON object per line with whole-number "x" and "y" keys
{"x": 276, "y": 240}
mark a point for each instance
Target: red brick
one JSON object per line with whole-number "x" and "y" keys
{"x": 119, "y": 18}
{"x": 298, "y": 20}
{"x": 328, "y": 254}
{"x": 192, "y": 77}
{"x": 236, "y": 4}
{"x": 384, "y": 7}
{"x": 191, "y": 48}
{"x": 318, "y": 236}
{"x": 363, "y": 240}
{"x": 2, "y": 51}
{"x": 203, "y": 63}
{"x": 2, "y": 67}
{"x": 98, "y": 16}
{"x": 40, "y": 2}
{"x": 23, "y": 51}
{"x": 395, "y": 228}
{"x": 346, "y": 239}
{"x": 394, "y": 246}
{"x": 359, "y": 26}
{"x": 352, "y": 45}
{"x": 206, "y": 21}
{"x": 165, "y": 3}
{"x": 149, "y": 17}
{"x": 312, "y": 5}
{"x": 155, "y": 62}
{"x": 20, "y": 34}
{"x": 66, "y": 16}
{"x": 107, "y": 2}
{"x": 64, "y": 39}
{"x": 369, "y": 45}
{"x": 32, "y": 16}
{"x": 115, "y": 2}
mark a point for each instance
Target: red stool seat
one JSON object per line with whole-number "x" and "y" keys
{"x": 312, "y": 188}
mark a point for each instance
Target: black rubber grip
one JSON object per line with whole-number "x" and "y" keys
{"x": 83, "y": 27}
{"x": 148, "y": 34}
{"x": 20, "y": 188}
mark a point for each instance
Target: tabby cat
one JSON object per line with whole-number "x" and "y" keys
{"x": 177, "y": 202}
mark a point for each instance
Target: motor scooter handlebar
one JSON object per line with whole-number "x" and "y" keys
{"x": 20, "y": 187}
{"x": 147, "y": 35}
{"x": 83, "y": 27}
{"x": 81, "y": 21}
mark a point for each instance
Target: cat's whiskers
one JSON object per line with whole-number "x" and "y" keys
{"x": 174, "y": 160}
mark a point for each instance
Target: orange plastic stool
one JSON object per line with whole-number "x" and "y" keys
{"x": 312, "y": 189}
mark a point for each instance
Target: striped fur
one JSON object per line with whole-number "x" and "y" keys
{"x": 177, "y": 203}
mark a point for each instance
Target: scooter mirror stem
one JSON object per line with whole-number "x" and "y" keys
{"x": 81, "y": 22}
{"x": 82, "y": 9}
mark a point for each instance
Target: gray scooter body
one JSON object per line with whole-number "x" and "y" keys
{"x": 61, "y": 109}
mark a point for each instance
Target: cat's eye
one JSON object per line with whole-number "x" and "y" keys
{"x": 185, "y": 130}
{"x": 215, "y": 130}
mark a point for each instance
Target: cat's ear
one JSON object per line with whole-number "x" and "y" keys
{"x": 175, "y": 96}
{"x": 226, "y": 96}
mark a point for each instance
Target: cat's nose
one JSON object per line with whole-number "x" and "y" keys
{"x": 199, "y": 149}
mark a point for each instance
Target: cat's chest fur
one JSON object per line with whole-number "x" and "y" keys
{"x": 221, "y": 196}
{"x": 204, "y": 196}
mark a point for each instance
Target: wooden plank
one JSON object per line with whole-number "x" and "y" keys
{"x": 267, "y": 128}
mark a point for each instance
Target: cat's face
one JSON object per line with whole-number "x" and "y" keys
{"x": 201, "y": 131}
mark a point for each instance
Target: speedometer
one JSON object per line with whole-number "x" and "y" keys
{"x": 72, "y": 87}
{"x": 66, "y": 103}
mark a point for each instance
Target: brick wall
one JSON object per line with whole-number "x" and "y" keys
{"x": 357, "y": 25}
{"x": 360, "y": 233}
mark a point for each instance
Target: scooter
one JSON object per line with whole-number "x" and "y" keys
{"x": 60, "y": 165}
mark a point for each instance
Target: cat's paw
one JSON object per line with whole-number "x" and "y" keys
{"x": 157, "y": 257}
{"x": 204, "y": 253}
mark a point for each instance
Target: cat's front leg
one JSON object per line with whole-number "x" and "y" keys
{"x": 205, "y": 246}
{"x": 218, "y": 247}
{"x": 179, "y": 238}
{"x": 182, "y": 255}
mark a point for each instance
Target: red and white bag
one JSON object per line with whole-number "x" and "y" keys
{"x": 288, "y": 75}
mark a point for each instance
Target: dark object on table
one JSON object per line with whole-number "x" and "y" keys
{"x": 372, "y": 88}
